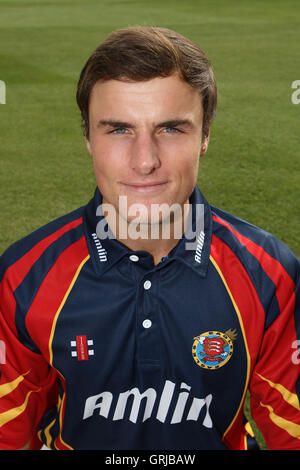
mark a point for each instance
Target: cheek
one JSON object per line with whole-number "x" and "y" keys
{"x": 104, "y": 172}
{"x": 184, "y": 153}
{"x": 188, "y": 164}
{"x": 188, "y": 170}
{"x": 109, "y": 166}
{"x": 102, "y": 165}
{"x": 101, "y": 153}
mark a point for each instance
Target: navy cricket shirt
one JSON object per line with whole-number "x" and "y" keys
{"x": 101, "y": 349}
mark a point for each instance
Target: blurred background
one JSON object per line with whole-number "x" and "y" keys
{"x": 252, "y": 167}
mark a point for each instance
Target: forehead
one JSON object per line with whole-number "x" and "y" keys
{"x": 157, "y": 96}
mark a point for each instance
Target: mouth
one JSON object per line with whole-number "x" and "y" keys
{"x": 146, "y": 188}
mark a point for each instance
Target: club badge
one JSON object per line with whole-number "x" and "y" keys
{"x": 213, "y": 349}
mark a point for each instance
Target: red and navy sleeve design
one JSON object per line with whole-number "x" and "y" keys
{"x": 29, "y": 298}
{"x": 271, "y": 319}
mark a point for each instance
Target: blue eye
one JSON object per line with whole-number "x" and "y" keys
{"x": 171, "y": 130}
{"x": 120, "y": 130}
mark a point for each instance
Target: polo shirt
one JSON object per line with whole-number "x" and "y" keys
{"x": 102, "y": 349}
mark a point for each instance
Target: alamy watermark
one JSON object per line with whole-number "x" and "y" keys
{"x": 296, "y": 354}
{"x": 160, "y": 221}
{"x": 2, "y": 92}
{"x": 2, "y": 352}
{"x": 296, "y": 94}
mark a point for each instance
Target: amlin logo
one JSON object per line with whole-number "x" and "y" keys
{"x": 170, "y": 405}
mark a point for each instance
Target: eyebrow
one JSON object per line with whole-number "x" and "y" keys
{"x": 128, "y": 125}
{"x": 175, "y": 123}
{"x": 112, "y": 123}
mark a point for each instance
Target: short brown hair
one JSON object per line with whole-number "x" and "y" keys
{"x": 143, "y": 52}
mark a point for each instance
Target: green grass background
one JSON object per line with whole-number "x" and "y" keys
{"x": 252, "y": 166}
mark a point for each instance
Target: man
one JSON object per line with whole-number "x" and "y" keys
{"x": 119, "y": 337}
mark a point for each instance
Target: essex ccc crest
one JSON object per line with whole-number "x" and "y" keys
{"x": 213, "y": 349}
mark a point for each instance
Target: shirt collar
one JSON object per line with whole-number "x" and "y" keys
{"x": 193, "y": 249}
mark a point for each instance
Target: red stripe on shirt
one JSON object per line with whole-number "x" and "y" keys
{"x": 274, "y": 361}
{"x": 272, "y": 267}
{"x": 41, "y": 314}
{"x": 252, "y": 319}
{"x": 20, "y": 268}
{"x": 16, "y": 273}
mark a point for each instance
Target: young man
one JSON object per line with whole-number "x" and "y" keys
{"x": 118, "y": 336}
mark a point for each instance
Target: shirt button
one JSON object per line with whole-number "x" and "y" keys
{"x": 133, "y": 258}
{"x": 147, "y": 285}
{"x": 147, "y": 323}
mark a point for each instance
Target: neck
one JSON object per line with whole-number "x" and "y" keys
{"x": 158, "y": 239}
{"x": 156, "y": 248}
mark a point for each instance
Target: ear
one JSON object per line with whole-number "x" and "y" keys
{"x": 204, "y": 144}
{"x": 88, "y": 145}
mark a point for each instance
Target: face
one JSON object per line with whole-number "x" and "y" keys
{"x": 145, "y": 140}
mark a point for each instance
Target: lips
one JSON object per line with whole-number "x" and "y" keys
{"x": 146, "y": 188}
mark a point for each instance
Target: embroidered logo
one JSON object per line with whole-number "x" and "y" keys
{"x": 101, "y": 251}
{"x": 82, "y": 351}
{"x": 200, "y": 243}
{"x": 213, "y": 349}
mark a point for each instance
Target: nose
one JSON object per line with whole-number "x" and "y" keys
{"x": 144, "y": 153}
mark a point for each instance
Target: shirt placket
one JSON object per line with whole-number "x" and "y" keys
{"x": 147, "y": 318}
